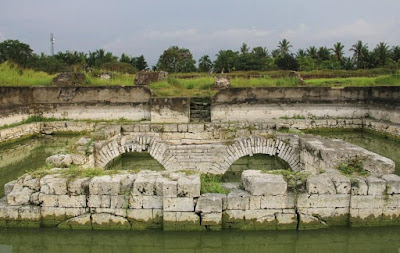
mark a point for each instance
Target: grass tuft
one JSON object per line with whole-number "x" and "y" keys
{"x": 212, "y": 184}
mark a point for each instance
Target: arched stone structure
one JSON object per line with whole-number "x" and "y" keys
{"x": 120, "y": 145}
{"x": 247, "y": 146}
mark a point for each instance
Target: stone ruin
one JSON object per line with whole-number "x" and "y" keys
{"x": 146, "y": 77}
{"x": 296, "y": 75}
{"x": 222, "y": 82}
{"x": 69, "y": 79}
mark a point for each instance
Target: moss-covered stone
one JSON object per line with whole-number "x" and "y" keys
{"x": 182, "y": 226}
{"x": 23, "y": 224}
{"x": 370, "y": 221}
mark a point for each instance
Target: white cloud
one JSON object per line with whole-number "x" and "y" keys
{"x": 300, "y": 32}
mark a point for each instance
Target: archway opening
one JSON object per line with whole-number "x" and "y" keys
{"x": 135, "y": 161}
{"x": 255, "y": 162}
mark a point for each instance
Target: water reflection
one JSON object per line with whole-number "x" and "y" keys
{"x": 337, "y": 240}
{"x": 29, "y": 154}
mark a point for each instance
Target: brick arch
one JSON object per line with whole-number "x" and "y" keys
{"x": 119, "y": 145}
{"x": 247, "y": 146}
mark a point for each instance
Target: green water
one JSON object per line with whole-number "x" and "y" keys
{"x": 326, "y": 241}
{"x": 382, "y": 145}
{"x": 135, "y": 161}
{"x": 17, "y": 158}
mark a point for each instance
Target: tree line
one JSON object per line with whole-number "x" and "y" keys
{"x": 180, "y": 60}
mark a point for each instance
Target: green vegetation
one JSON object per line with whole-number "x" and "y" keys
{"x": 353, "y": 167}
{"x": 184, "y": 87}
{"x": 294, "y": 179}
{"x": 71, "y": 172}
{"x": 13, "y": 75}
{"x": 32, "y": 119}
{"x": 212, "y": 184}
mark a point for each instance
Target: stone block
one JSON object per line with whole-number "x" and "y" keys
{"x": 211, "y": 219}
{"x": 19, "y": 196}
{"x": 114, "y": 211}
{"x": 189, "y": 186}
{"x": 322, "y": 201}
{"x": 274, "y": 202}
{"x": 108, "y": 221}
{"x": 233, "y": 215}
{"x": 32, "y": 183}
{"x": 178, "y": 204}
{"x": 359, "y": 186}
{"x": 392, "y": 183}
{"x": 376, "y": 186}
{"x": 72, "y": 201}
{"x": 46, "y": 200}
{"x": 255, "y": 202}
{"x": 35, "y": 199}
{"x": 105, "y": 185}
{"x": 152, "y": 202}
{"x": 145, "y": 185}
{"x": 238, "y": 200}
{"x": 119, "y": 201}
{"x": 170, "y": 188}
{"x": 8, "y": 187}
{"x": 81, "y": 222}
{"x": 286, "y": 221}
{"x": 78, "y": 186}
{"x": 320, "y": 184}
{"x": 51, "y": 216}
{"x": 75, "y": 212}
{"x": 195, "y": 128}
{"x": 342, "y": 184}
{"x": 29, "y": 213}
{"x": 53, "y": 185}
{"x": 103, "y": 201}
{"x": 141, "y": 215}
{"x": 135, "y": 201}
{"x": 367, "y": 202}
{"x": 209, "y": 203}
{"x": 258, "y": 183}
{"x": 127, "y": 183}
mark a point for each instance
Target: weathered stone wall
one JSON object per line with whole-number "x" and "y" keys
{"x": 262, "y": 104}
{"x": 170, "y": 110}
{"x": 18, "y": 103}
{"x": 173, "y": 201}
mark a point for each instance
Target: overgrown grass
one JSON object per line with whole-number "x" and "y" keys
{"x": 212, "y": 184}
{"x": 72, "y": 172}
{"x": 13, "y": 75}
{"x": 353, "y": 167}
{"x": 117, "y": 79}
{"x": 32, "y": 119}
{"x": 199, "y": 87}
{"x": 293, "y": 178}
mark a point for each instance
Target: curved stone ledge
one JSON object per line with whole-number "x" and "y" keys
{"x": 172, "y": 201}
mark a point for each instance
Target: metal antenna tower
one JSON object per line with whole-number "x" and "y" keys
{"x": 52, "y": 43}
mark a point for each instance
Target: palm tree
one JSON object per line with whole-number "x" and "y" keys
{"x": 312, "y": 52}
{"x": 360, "y": 53}
{"x": 382, "y": 53}
{"x": 284, "y": 46}
{"x": 396, "y": 53}
{"x": 205, "y": 64}
{"x": 301, "y": 53}
{"x": 338, "y": 51}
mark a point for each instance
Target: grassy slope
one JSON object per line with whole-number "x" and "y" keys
{"x": 201, "y": 84}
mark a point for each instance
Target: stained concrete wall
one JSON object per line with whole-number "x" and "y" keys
{"x": 262, "y": 104}
{"x": 170, "y": 110}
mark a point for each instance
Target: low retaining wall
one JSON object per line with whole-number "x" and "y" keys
{"x": 173, "y": 201}
{"x": 228, "y": 105}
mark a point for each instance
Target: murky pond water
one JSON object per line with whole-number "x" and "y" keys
{"x": 335, "y": 240}
{"x": 373, "y": 142}
{"x": 17, "y": 158}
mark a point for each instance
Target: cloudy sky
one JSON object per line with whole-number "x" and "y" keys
{"x": 204, "y": 26}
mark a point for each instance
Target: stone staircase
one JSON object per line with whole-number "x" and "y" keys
{"x": 200, "y": 109}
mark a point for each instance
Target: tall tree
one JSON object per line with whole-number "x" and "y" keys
{"x": 338, "y": 51}
{"x": 284, "y": 47}
{"x": 140, "y": 63}
{"x": 205, "y": 64}
{"x": 312, "y": 52}
{"x": 244, "y": 49}
{"x": 225, "y": 61}
{"x": 360, "y": 53}
{"x": 13, "y": 50}
{"x": 176, "y": 59}
{"x": 382, "y": 54}
{"x": 324, "y": 54}
{"x": 396, "y": 53}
